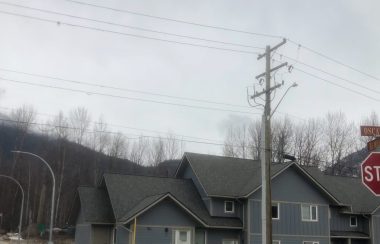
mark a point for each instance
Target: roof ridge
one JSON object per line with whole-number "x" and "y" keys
{"x": 148, "y": 176}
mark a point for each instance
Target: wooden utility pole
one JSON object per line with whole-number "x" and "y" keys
{"x": 266, "y": 152}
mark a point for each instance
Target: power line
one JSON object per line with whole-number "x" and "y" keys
{"x": 333, "y": 60}
{"x": 337, "y": 85}
{"x": 177, "y": 20}
{"x": 129, "y": 26}
{"x": 123, "y": 97}
{"x": 99, "y": 85}
{"x": 126, "y": 34}
{"x": 331, "y": 74}
{"x": 231, "y": 30}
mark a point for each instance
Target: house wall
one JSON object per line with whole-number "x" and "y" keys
{"x": 291, "y": 189}
{"x": 215, "y": 236}
{"x": 101, "y": 234}
{"x": 376, "y": 227}
{"x": 166, "y": 213}
{"x": 218, "y": 208}
{"x": 341, "y": 222}
{"x": 122, "y": 235}
{"x": 292, "y": 239}
{"x": 157, "y": 225}
{"x": 83, "y": 234}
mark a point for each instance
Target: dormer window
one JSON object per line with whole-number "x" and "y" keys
{"x": 229, "y": 207}
{"x": 353, "y": 221}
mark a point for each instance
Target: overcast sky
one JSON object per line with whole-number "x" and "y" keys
{"x": 344, "y": 30}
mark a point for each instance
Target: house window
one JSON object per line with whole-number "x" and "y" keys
{"x": 276, "y": 211}
{"x": 311, "y": 242}
{"x": 183, "y": 236}
{"x": 230, "y": 241}
{"x": 353, "y": 221}
{"x": 276, "y": 242}
{"x": 309, "y": 213}
{"x": 229, "y": 207}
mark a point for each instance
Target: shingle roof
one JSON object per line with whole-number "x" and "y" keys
{"x": 130, "y": 193}
{"x": 226, "y": 176}
{"x": 95, "y": 205}
{"x": 347, "y": 190}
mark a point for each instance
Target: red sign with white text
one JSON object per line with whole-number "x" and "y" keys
{"x": 371, "y": 172}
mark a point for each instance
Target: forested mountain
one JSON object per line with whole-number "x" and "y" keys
{"x": 72, "y": 163}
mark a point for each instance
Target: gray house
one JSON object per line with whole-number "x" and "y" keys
{"x": 217, "y": 200}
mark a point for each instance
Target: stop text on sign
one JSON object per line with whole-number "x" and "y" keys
{"x": 372, "y": 173}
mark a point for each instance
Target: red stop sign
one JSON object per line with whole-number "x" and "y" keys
{"x": 371, "y": 172}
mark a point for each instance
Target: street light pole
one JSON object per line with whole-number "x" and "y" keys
{"x": 53, "y": 192}
{"x": 22, "y": 204}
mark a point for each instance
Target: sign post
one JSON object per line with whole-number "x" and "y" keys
{"x": 371, "y": 172}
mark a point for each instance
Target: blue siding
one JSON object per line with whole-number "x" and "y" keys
{"x": 218, "y": 208}
{"x": 154, "y": 235}
{"x": 290, "y": 221}
{"x": 256, "y": 239}
{"x": 291, "y": 186}
{"x": 166, "y": 213}
{"x": 217, "y": 236}
{"x": 376, "y": 229}
{"x": 122, "y": 235}
{"x": 341, "y": 222}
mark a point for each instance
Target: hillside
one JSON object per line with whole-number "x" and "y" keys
{"x": 73, "y": 165}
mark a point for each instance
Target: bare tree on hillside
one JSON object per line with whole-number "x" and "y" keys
{"x": 138, "y": 150}
{"x": 339, "y": 138}
{"x": 237, "y": 141}
{"x": 282, "y": 135}
{"x": 118, "y": 146}
{"x": 80, "y": 121}
{"x": 306, "y": 142}
{"x": 100, "y": 137}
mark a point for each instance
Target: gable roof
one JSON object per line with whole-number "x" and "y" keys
{"x": 95, "y": 205}
{"x": 349, "y": 190}
{"x": 130, "y": 194}
{"x": 226, "y": 176}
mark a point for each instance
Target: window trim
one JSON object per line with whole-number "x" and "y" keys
{"x": 233, "y": 207}
{"x": 356, "y": 221}
{"x": 276, "y": 241}
{"x": 311, "y": 242}
{"x": 230, "y": 239}
{"x": 278, "y": 211}
{"x": 311, "y": 213}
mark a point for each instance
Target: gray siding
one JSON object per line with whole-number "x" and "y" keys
{"x": 256, "y": 239}
{"x": 290, "y": 222}
{"x": 166, "y": 213}
{"x": 291, "y": 186}
{"x": 291, "y": 189}
{"x": 154, "y": 235}
{"x": 83, "y": 234}
{"x": 341, "y": 222}
{"x": 122, "y": 235}
{"x": 217, "y": 236}
{"x": 80, "y": 219}
{"x": 376, "y": 229}
{"x": 218, "y": 208}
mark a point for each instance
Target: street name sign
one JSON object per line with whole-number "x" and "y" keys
{"x": 371, "y": 172}
{"x": 371, "y": 145}
{"x": 366, "y": 130}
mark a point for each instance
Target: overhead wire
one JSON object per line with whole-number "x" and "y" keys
{"x": 100, "y": 85}
{"x": 129, "y": 26}
{"x": 126, "y": 34}
{"x": 123, "y": 97}
{"x": 299, "y": 45}
{"x": 177, "y": 20}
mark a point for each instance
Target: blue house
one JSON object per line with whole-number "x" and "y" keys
{"x": 217, "y": 200}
